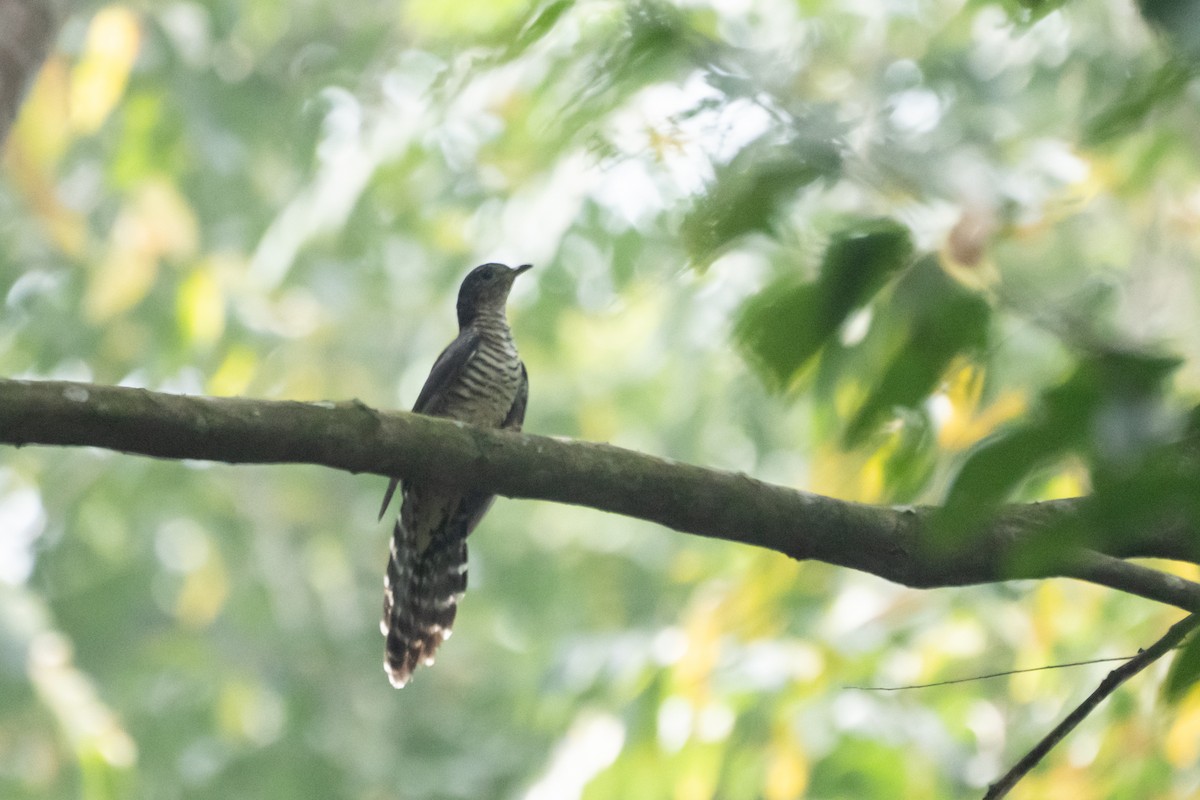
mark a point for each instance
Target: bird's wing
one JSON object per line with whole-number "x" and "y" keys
{"x": 433, "y": 394}
{"x": 516, "y": 414}
{"x": 445, "y": 369}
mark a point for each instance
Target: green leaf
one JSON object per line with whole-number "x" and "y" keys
{"x": 1140, "y": 98}
{"x": 539, "y": 25}
{"x": 948, "y": 319}
{"x": 1072, "y": 418}
{"x": 749, "y": 193}
{"x": 1027, "y": 12}
{"x": 911, "y": 458}
{"x": 999, "y": 465}
{"x": 659, "y": 44}
{"x": 779, "y": 332}
{"x": 1185, "y": 671}
{"x": 1178, "y": 21}
{"x": 783, "y": 326}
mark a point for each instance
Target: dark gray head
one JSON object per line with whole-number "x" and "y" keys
{"x": 485, "y": 287}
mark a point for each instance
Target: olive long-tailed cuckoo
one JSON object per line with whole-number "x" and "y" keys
{"x": 478, "y": 378}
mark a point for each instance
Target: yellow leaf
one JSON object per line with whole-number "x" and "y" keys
{"x": 119, "y": 283}
{"x": 1183, "y": 738}
{"x": 41, "y": 132}
{"x": 201, "y": 307}
{"x": 437, "y": 18}
{"x": 848, "y": 476}
{"x": 693, "y": 672}
{"x": 1072, "y": 480}
{"x": 203, "y": 593}
{"x": 166, "y": 223}
{"x": 787, "y": 769}
{"x": 964, "y": 423}
{"x": 695, "y": 784}
{"x": 234, "y": 374}
{"x": 1061, "y": 780}
{"x": 158, "y": 222}
{"x": 250, "y": 712}
{"x": 598, "y": 419}
{"x": 38, "y": 141}
{"x": 99, "y": 78}
{"x": 749, "y": 608}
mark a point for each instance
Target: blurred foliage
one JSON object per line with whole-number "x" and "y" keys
{"x": 784, "y": 326}
{"x": 897, "y": 252}
{"x": 1109, "y": 413}
{"x": 1185, "y": 671}
{"x": 1179, "y": 22}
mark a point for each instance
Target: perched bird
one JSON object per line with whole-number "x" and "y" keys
{"x": 478, "y": 378}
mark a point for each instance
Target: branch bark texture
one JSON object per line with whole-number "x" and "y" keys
{"x": 896, "y": 543}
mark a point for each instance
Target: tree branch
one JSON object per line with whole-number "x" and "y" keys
{"x": 26, "y": 30}
{"x": 898, "y": 544}
{"x": 1174, "y": 635}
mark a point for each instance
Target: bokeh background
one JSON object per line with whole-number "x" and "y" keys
{"x": 278, "y": 200}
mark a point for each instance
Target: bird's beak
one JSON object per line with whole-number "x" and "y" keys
{"x": 522, "y": 268}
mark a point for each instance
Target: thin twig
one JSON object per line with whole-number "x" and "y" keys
{"x": 1003, "y": 674}
{"x": 1174, "y": 635}
{"x": 1147, "y": 582}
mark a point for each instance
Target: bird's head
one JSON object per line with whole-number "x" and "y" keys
{"x": 485, "y": 288}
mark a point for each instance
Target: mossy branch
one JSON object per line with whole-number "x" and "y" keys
{"x": 896, "y": 543}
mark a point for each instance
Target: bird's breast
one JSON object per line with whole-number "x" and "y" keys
{"x": 488, "y": 384}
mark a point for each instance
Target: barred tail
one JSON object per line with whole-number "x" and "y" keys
{"x": 420, "y": 599}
